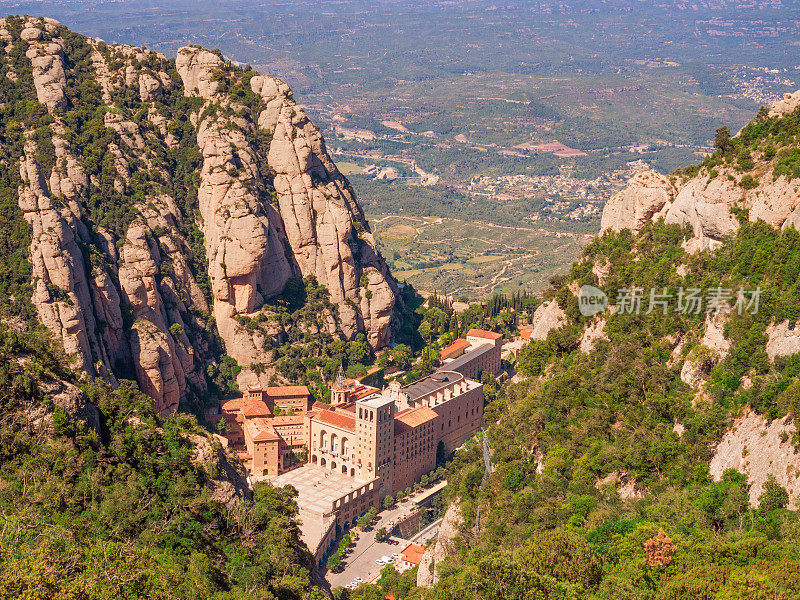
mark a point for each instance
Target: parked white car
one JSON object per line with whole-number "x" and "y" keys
{"x": 357, "y": 580}
{"x": 395, "y": 555}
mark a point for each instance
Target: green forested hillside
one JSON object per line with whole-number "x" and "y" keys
{"x": 125, "y": 512}
{"x": 547, "y": 528}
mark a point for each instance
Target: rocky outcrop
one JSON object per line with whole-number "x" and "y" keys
{"x": 712, "y": 348}
{"x": 783, "y": 339}
{"x": 760, "y": 448}
{"x": 625, "y": 487}
{"x": 785, "y": 105}
{"x": 119, "y": 266}
{"x": 591, "y": 333}
{"x": 706, "y": 207}
{"x": 646, "y": 193}
{"x": 65, "y": 396}
{"x": 706, "y": 200}
{"x": 304, "y": 222}
{"x": 445, "y": 542}
{"x": 547, "y": 316}
{"x": 226, "y": 478}
{"x": 46, "y": 53}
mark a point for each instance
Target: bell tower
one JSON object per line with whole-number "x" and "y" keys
{"x": 339, "y": 389}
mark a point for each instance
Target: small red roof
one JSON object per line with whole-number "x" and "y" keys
{"x": 482, "y": 333}
{"x": 287, "y": 390}
{"x": 233, "y": 405}
{"x": 455, "y": 349}
{"x": 261, "y": 430}
{"x": 413, "y": 553}
{"x": 337, "y": 419}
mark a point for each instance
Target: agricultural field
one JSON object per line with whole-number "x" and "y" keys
{"x": 470, "y": 258}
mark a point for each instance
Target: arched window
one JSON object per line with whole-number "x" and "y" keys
{"x": 323, "y": 439}
{"x": 333, "y": 465}
{"x": 334, "y": 443}
{"x": 314, "y": 458}
{"x": 322, "y": 462}
{"x": 344, "y": 469}
{"x": 352, "y": 472}
{"x": 345, "y": 447}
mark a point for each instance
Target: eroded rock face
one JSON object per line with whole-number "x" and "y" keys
{"x": 593, "y": 332}
{"x": 705, "y": 201}
{"x": 713, "y": 347}
{"x": 547, "y": 316}
{"x": 645, "y": 195}
{"x": 445, "y": 541}
{"x": 117, "y": 274}
{"x": 46, "y": 53}
{"x": 227, "y": 478}
{"x": 759, "y": 448}
{"x": 783, "y": 339}
{"x": 785, "y": 105}
{"x": 310, "y": 225}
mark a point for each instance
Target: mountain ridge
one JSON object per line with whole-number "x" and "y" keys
{"x": 168, "y": 201}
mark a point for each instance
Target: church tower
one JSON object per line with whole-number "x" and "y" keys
{"x": 339, "y": 389}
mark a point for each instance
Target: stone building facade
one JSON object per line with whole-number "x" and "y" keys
{"x": 473, "y": 355}
{"x": 362, "y": 447}
{"x": 267, "y": 443}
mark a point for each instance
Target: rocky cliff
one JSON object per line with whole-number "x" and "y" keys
{"x": 753, "y": 172}
{"x": 445, "y": 541}
{"x": 168, "y": 200}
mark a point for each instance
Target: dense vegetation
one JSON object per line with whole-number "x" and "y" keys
{"x": 548, "y": 529}
{"x": 768, "y": 144}
{"x": 124, "y": 510}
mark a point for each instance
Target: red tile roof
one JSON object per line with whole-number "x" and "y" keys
{"x": 233, "y": 405}
{"x": 357, "y": 390}
{"x": 414, "y": 417}
{"x": 337, "y": 419}
{"x": 482, "y": 333}
{"x": 255, "y": 408}
{"x": 454, "y": 349}
{"x": 413, "y": 553}
{"x": 261, "y": 430}
{"x": 287, "y": 390}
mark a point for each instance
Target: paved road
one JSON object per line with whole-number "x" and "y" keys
{"x": 360, "y": 562}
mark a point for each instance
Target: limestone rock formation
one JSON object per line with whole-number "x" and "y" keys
{"x": 435, "y": 553}
{"x": 712, "y": 348}
{"x": 645, "y": 195}
{"x": 227, "y": 478}
{"x": 783, "y": 339}
{"x": 785, "y": 105}
{"x": 181, "y": 213}
{"x": 548, "y": 315}
{"x": 592, "y": 333}
{"x": 309, "y": 225}
{"x": 706, "y": 201}
{"x": 759, "y": 448}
